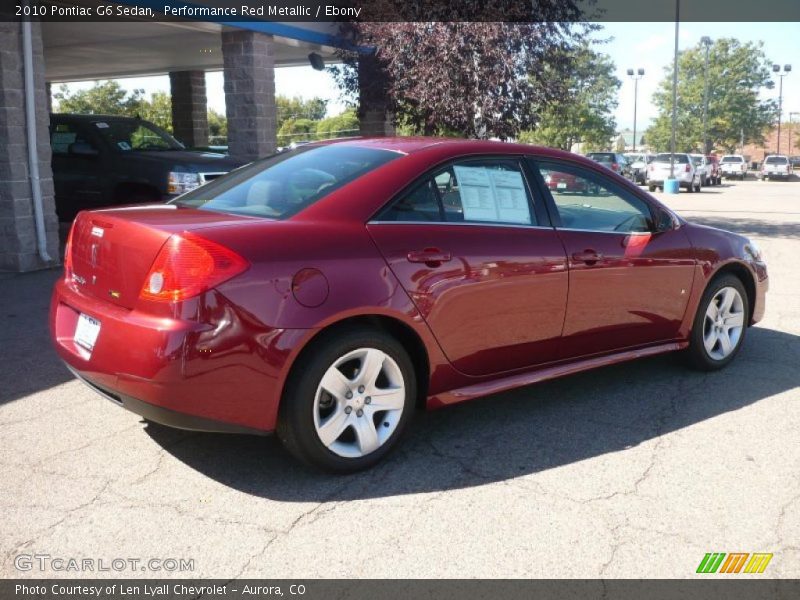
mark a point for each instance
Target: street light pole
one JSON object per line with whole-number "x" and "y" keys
{"x": 786, "y": 70}
{"x": 636, "y": 77}
{"x": 674, "y": 92}
{"x": 705, "y": 41}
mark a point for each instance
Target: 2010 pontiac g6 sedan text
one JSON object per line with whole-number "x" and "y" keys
{"x": 324, "y": 293}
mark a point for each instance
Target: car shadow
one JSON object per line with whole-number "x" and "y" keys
{"x": 751, "y": 227}
{"x": 516, "y": 433}
{"x": 30, "y": 363}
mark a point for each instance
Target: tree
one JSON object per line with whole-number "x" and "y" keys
{"x": 736, "y": 74}
{"x": 157, "y": 110}
{"x": 106, "y": 98}
{"x": 342, "y": 125}
{"x": 296, "y": 130}
{"x": 217, "y": 127}
{"x": 297, "y": 108}
{"x": 479, "y": 79}
{"x": 586, "y": 113}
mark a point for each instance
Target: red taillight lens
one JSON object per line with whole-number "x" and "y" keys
{"x": 615, "y": 166}
{"x": 188, "y": 265}
{"x": 68, "y": 256}
{"x": 688, "y": 168}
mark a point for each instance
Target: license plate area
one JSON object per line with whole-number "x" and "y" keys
{"x": 86, "y": 332}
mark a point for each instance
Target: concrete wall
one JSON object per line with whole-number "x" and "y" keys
{"x": 189, "y": 107}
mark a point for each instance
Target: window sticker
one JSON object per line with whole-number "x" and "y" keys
{"x": 124, "y": 145}
{"x": 101, "y": 125}
{"x": 493, "y": 195}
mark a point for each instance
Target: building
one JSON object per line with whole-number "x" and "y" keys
{"x": 34, "y": 55}
{"x": 790, "y": 138}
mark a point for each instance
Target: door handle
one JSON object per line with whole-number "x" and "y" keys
{"x": 433, "y": 257}
{"x": 590, "y": 257}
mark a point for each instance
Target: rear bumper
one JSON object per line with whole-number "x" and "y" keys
{"x": 214, "y": 372}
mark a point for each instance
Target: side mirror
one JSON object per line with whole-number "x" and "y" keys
{"x": 663, "y": 222}
{"x": 82, "y": 149}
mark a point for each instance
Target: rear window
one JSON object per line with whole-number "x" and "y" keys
{"x": 732, "y": 159}
{"x": 777, "y": 160}
{"x": 681, "y": 159}
{"x": 601, "y": 156}
{"x": 282, "y": 185}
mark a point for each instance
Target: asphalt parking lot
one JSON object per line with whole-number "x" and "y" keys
{"x": 635, "y": 470}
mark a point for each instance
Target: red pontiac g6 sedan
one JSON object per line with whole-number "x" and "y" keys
{"x": 325, "y": 292}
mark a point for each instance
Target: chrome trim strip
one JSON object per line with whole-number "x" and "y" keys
{"x": 461, "y": 223}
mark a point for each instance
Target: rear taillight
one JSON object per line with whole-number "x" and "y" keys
{"x": 688, "y": 168}
{"x": 188, "y": 265}
{"x": 68, "y": 256}
{"x": 615, "y": 166}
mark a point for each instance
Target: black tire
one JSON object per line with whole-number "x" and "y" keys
{"x": 696, "y": 354}
{"x": 296, "y": 428}
{"x": 652, "y": 188}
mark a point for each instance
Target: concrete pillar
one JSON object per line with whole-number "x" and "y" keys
{"x": 48, "y": 89}
{"x": 374, "y": 116}
{"x": 249, "y": 63}
{"x": 189, "y": 107}
{"x": 18, "y": 247}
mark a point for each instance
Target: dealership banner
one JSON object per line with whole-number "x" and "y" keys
{"x": 389, "y": 589}
{"x": 223, "y": 11}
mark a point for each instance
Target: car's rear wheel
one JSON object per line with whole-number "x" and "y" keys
{"x": 348, "y": 400}
{"x": 720, "y": 324}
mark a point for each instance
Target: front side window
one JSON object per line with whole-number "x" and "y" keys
{"x": 471, "y": 191}
{"x": 135, "y": 135}
{"x": 282, "y": 185}
{"x": 586, "y": 201}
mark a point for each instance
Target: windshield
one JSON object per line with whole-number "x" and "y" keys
{"x": 732, "y": 159}
{"x": 282, "y": 185}
{"x": 777, "y": 160}
{"x": 132, "y": 135}
{"x": 681, "y": 159}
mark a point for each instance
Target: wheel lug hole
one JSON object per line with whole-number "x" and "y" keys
{"x": 367, "y": 400}
{"x": 361, "y": 389}
{"x": 359, "y": 412}
{"x": 348, "y": 395}
{"x": 348, "y": 410}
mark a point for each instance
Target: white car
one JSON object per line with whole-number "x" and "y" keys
{"x": 775, "y": 166}
{"x": 733, "y": 165}
{"x": 684, "y": 171}
{"x": 703, "y": 168}
{"x": 638, "y": 163}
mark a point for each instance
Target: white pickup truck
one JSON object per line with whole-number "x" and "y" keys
{"x": 684, "y": 171}
{"x": 775, "y": 166}
{"x": 733, "y": 165}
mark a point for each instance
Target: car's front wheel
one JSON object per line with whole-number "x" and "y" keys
{"x": 720, "y": 324}
{"x": 348, "y": 400}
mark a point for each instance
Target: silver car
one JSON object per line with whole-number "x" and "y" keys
{"x": 684, "y": 171}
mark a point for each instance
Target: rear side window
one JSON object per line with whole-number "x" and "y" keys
{"x": 473, "y": 191}
{"x": 66, "y": 136}
{"x": 282, "y": 185}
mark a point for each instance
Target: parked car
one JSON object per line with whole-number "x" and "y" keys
{"x": 614, "y": 161}
{"x": 327, "y": 291}
{"x": 703, "y": 169}
{"x": 733, "y": 165}
{"x": 638, "y": 163}
{"x": 566, "y": 182}
{"x": 795, "y": 162}
{"x": 776, "y": 166}
{"x": 101, "y": 160}
{"x": 716, "y": 172}
{"x": 684, "y": 171}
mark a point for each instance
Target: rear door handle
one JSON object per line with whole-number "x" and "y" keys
{"x": 589, "y": 257}
{"x": 433, "y": 257}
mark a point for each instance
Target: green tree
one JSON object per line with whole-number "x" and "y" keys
{"x": 342, "y": 125}
{"x": 158, "y": 110}
{"x": 296, "y": 130}
{"x": 105, "y": 98}
{"x": 217, "y": 128}
{"x": 737, "y": 72}
{"x": 585, "y": 114}
{"x": 296, "y": 108}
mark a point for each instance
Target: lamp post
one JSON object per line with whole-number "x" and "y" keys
{"x": 674, "y": 100}
{"x": 777, "y": 70}
{"x": 636, "y": 77}
{"x": 705, "y": 41}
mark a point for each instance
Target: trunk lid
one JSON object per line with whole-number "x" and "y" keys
{"x": 113, "y": 250}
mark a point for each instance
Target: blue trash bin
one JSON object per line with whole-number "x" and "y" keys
{"x": 671, "y": 186}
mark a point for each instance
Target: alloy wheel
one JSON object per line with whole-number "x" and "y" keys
{"x": 359, "y": 402}
{"x": 723, "y": 323}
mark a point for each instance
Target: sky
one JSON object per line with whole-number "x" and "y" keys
{"x": 632, "y": 45}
